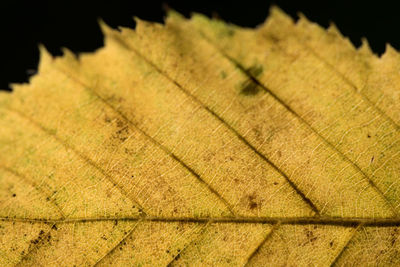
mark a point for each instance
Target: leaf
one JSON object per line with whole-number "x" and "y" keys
{"x": 202, "y": 143}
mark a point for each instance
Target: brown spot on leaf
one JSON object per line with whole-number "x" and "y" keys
{"x": 223, "y": 74}
{"x": 394, "y": 236}
{"x": 255, "y": 70}
{"x": 310, "y": 236}
{"x": 249, "y": 88}
{"x": 273, "y": 38}
{"x": 107, "y": 119}
{"x": 252, "y": 202}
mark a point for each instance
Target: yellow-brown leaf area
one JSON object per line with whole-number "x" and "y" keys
{"x": 200, "y": 143}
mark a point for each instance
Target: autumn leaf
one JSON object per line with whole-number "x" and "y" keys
{"x": 202, "y": 143}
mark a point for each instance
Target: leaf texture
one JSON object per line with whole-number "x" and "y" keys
{"x": 200, "y": 143}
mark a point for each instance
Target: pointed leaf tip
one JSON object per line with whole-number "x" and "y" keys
{"x": 333, "y": 29}
{"x": 44, "y": 57}
{"x": 105, "y": 29}
{"x": 365, "y": 47}
{"x": 172, "y": 13}
{"x": 390, "y": 49}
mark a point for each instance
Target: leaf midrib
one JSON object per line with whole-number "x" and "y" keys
{"x": 322, "y": 220}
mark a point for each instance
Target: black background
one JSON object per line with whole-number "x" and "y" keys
{"x": 56, "y": 24}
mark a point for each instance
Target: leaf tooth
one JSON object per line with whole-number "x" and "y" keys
{"x": 277, "y": 13}
{"x": 105, "y": 28}
{"x": 365, "y": 48}
{"x": 390, "y": 52}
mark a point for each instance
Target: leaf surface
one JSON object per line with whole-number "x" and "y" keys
{"x": 202, "y": 143}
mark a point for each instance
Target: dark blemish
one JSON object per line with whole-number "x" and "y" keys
{"x": 228, "y": 32}
{"x": 122, "y": 134}
{"x": 120, "y": 248}
{"x": 372, "y": 159}
{"x": 14, "y": 195}
{"x": 54, "y": 227}
{"x": 39, "y": 238}
{"x": 104, "y": 238}
{"x": 276, "y": 183}
{"x": 167, "y": 251}
{"x": 114, "y": 98}
{"x": 223, "y": 74}
{"x": 208, "y": 156}
{"x": 48, "y": 198}
{"x": 132, "y": 176}
{"x": 249, "y": 88}
{"x": 125, "y": 129}
{"x": 331, "y": 244}
{"x": 119, "y": 123}
{"x": 253, "y": 204}
{"x": 116, "y": 222}
{"x": 177, "y": 256}
{"x": 255, "y": 70}
{"x": 310, "y": 236}
{"x": 369, "y": 136}
{"x": 394, "y": 236}
{"x": 107, "y": 119}
{"x": 273, "y": 38}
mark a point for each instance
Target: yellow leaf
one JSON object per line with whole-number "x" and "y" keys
{"x": 202, "y": 143}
